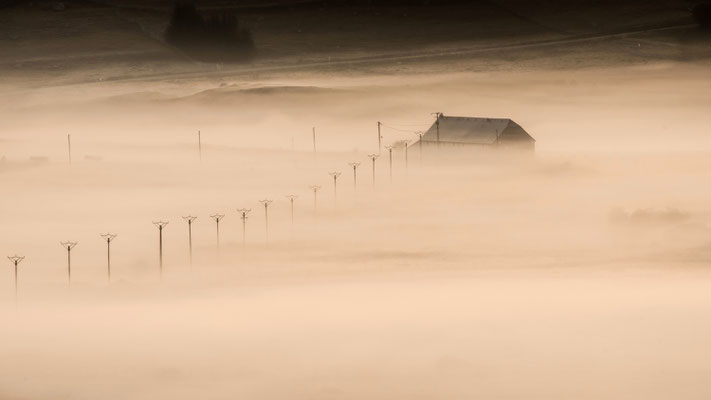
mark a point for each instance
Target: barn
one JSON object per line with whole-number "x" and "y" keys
{"x": 483, "y": 132}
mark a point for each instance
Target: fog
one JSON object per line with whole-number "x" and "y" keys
{"x": 578, "y": 272}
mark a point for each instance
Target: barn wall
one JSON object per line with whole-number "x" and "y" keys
{"x": 464, "y": 148}
{"x": 514, "y": 144}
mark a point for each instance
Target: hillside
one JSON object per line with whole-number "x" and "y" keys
{"x": 114, "y": 39}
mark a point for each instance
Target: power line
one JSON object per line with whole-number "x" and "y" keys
{"x": 398, "y": 129}
{"x": 408, "y": 124}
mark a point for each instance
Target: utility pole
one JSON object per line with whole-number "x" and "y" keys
{"x": 437, "y": 128}
{"x": 355, "y": 167}
{"x": 380, "y": 138}
{"x": 315, "y": 189}
{"x": 373, "y": 157}
{"x": 266, "y": 204}
{"x": 335, "y": 176}
{"x": 69, "y": 246}
{"x": 15, "y": 260}
{"x": 291, "y": 198}
{"x": 200, "y": 146}
{"x": 69, "y": 147}
{"x": 218, "y": 218}
{"x": 419, "y": 143}
{"x": 390, "y": 152}
{"x": 406, "y": 142}
{"x": 189, "y": 219}
{"x": 243, "y": 216}
{"x": 160, "y": 225}
{"x": 313, "y": 133}
{"x": 109, "y": 237}
{"x": 437, "y": 116}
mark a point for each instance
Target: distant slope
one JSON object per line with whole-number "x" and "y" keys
{"x": 121, "y": 39}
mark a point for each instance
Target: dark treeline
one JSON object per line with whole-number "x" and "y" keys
{"x": 214, "y": 37}
{"x": 702, "y": 14}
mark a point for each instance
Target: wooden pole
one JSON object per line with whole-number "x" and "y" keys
{"x": 313, "y": 132}
{"x": 380, "y": 138}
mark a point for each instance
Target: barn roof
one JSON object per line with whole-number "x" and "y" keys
{"x": 471, "y": 130}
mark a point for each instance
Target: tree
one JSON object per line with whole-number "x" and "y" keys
{"x": 217, "y": 37}
{"x": 702, "y": 14}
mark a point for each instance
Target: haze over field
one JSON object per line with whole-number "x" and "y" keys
{"x": 578, "y": 272}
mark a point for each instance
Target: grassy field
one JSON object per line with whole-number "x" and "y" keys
{"x": 578, "y": 273}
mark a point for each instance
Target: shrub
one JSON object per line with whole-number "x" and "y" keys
{"x": 216, "y": 37}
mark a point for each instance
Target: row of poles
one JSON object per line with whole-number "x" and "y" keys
{"x": 243, "y": 212}
{"x": 313, "y": 133}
